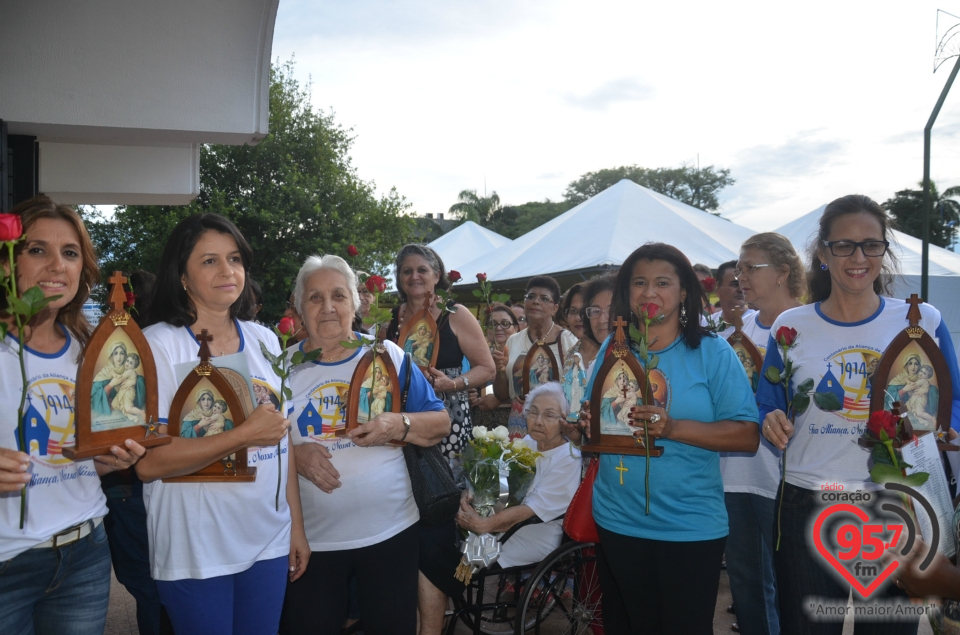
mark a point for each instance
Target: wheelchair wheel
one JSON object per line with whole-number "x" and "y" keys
{"x": 563, "y": 594}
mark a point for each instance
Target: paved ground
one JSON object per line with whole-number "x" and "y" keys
{"x": 122, "y": 618}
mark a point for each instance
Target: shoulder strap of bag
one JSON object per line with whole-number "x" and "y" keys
{"x": 408, "y": 363}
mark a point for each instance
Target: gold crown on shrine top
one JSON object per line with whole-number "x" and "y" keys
{"x": 916, "y": 332}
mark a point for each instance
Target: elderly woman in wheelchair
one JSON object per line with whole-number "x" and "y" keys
{"x": 529, "y": 532}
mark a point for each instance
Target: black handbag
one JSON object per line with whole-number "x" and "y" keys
{"x": 434, "y": 488}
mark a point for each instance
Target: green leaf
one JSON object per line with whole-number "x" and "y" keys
{"x": 3, "y": 330}
{"x": 19, "y": 307}
{"x": 312, "y": 356}
{"x": 635, "y": 334}
{"x": 883, "y": 473}
{"x": 280, "y": 370}
{"x": 33, "y": 296}
{"x": 352, "y": 343}
{"x": 773, "y": 375}
{"x": 883, "y": 435}
{"x": 806, "y": 386}
{"x": 879, "y": 454}
{"x": 801, "y": 402}
{"x": 477, "y": 293}
{"x": 266, "y": 353}
{"x": 297, "y": 358}
{"x": 916, "y": 480}
{"x": 287, "y": 393}
{"x": 503, "y": 298}
{"x": 653, "y": 362}
{"x": 368, "y": 320}
{"x": 827, "y": 401}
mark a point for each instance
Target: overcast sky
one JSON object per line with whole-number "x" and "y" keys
{"x": 802, "y": 101}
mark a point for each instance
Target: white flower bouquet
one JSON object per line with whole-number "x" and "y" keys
{"x": 499, "y": 472}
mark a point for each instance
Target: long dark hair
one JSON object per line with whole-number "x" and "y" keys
{"x": 171, "y": 304}
{"x": 818, "y": 280}
{"x": 692, "y": 333}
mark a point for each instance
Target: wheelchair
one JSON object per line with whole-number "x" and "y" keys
{"x": 560, "y": 595}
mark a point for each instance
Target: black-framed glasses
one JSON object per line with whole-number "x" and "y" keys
{"x": 595, "y": 312}
{"x": 748, "y": 270}
{"x": 572, "y": 312}
{"x": 544, "y": 299}
{"x": 844, "y": 248}
{"x": 502, "y": 324}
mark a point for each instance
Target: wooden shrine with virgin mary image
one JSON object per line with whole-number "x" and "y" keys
{"x": 747, "y": 352}
{"x": 619, "y": 385}
{"x": 913, "y": 374}
{"x": 209, "y": 401}
{"x": 374, "y": 388}
{"x": 420, "y": 336}
{"x": 540, "y": 364}
{"x": 116, "y": 390}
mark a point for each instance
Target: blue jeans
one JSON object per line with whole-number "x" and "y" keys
{"x": 802, "y": 573}
{"x": 750, "y": 562}
{"x": 62, "y": 591}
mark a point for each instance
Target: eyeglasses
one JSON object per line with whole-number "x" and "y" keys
{"x": 595, "y": 312}
{"x": 503, "y": 324}
{"x": 572, "y": 312}
{"x": 844, "y": 248}
{"x": 748, "y": 269}
{"x": 544, "y": 299}
{"x": 522, "y": 320}
{"x": 548, "y": 415}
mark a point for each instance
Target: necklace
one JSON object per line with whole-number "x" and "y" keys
{"x": 333, "y": 358}
{"x": 224, "y": 341}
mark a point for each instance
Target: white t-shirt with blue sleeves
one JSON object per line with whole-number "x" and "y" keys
{"x": 375, "y": 500}
{"x": 752, "y": 472}
{"x": 840, "y": 357}
{"x": 686, "y": 503}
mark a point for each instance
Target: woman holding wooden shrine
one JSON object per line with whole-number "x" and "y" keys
{"x": 660, "y": 571}
{"x": 358, "y": 506}
{"x": 221, "y": 552}
{"x": 55, "y": 571}
{"x": 771, "y": 277}
{"x": 541, "y": 301}
{"x": 833, "y": 343}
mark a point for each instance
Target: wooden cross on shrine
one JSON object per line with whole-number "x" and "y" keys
{"x": 736, "y": 316}
{"x": 620, "y": 323}
{"x": 619, "y": 348}
{"x": 913, "y": 314}
{"x": 118, "y": 296}
{"x": 204, "y": 338}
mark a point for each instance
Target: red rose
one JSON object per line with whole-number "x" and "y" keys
{"x": 481, "y": 277}
{"x": 454, "y": 276}
{"x": 786, "y": 336}
{"x": 376, "y": 284}
{"x": 286, "y": 326}
{"x": 352, "y": 251}
{"x": 131, "y": 299}
{"x": 709, "y": 284}
{"x": 10, "y": 227}
{"x": 882, "y": 420}
{"x": 649, "y": 310}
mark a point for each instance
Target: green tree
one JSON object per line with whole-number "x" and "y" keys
{"x": 906, "y": 207}
{"x": 516, "y": 220}
{"x": 479, "y": 209}
{"x": 292, "y": 195}
{"x": 698, "y": 187}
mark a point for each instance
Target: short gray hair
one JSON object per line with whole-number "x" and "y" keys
{"x": 314, "y": 264}
{"x": 552, "y": 389}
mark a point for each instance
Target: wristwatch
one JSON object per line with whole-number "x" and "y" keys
{"x": 406, "y": 426}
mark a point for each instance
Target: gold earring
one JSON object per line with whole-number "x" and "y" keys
{"x": 778, "y": 283}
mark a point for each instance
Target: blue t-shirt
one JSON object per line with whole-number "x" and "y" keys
{"x": 686, "y": 502}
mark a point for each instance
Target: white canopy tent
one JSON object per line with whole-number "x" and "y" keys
{"x": 602, "y": 231}
{"x": 465, "y": 243}
{"x": 944, "y": 266}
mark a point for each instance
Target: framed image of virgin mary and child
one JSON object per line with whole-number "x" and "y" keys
{"x": 116, "y": 391}
{"x": 374, "y": 389}
{"x": 619, "y": 385}
{"x": 211, "y": 401}
{"x": 420, "y": 336}
{"x": 913, "y": 373}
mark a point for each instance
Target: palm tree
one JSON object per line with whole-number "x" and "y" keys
{"x": 479, "y": 209}
{"x": 906, "y": 207}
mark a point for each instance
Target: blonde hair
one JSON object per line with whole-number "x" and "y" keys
{"x": 781, "y": 254}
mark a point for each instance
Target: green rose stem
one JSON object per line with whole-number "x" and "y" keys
{"x": 648, "y": 314}
{"x": 21, "y": 430}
